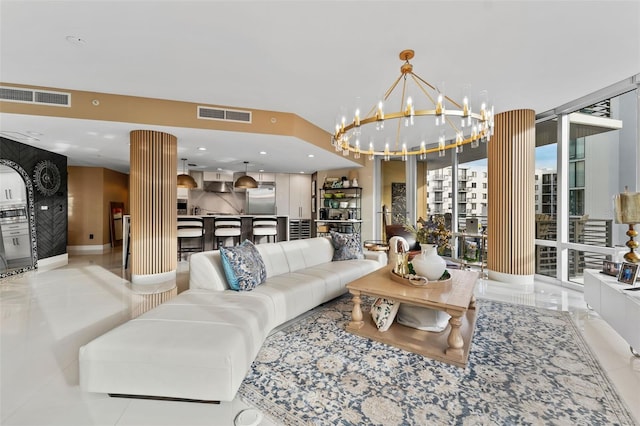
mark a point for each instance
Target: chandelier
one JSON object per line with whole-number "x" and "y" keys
{"x": 437, "y": 117}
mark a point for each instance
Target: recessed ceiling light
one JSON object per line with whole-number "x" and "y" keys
{"x": 263, "y": 152}
{"x": 92, "y": 133}
{"x": 261, "y": 170}
{"x": 109, "y": 136}
{"x": 219, "y": 169}
{"x": 75, "y": 40}
{"x": 301, "y": 173}
{"x": 310, "y": 155}
{"x": 202, "y": 148}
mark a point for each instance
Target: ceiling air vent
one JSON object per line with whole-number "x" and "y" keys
{"x": 17, "y": 94}
{"x": 208, "y": 113}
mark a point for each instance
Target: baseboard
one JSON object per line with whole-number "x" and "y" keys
{"x": 89, "y": 249}
{"x": 523, "y": 283}
{"x": 53, "y": 262}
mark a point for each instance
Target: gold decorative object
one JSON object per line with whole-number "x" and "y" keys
{"x": 454, "y": 123}
{"x": 246, "y": 181}
{"x": 185, "y": 180}
{"x": 627, "y": 211}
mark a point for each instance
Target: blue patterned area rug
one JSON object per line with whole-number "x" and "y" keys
{"x": 527, "y": 366}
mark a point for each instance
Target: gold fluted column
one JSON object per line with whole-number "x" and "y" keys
{"x": 152, "y": 187}
{"x": 511, "y": 223}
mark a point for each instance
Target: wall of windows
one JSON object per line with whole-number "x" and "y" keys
{"x": 586, "y": 152}
{"x": 597, "y": 156}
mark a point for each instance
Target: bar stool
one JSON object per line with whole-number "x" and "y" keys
{"x": 190, "y": 227}
{"x": 225, "y": 227}
{"x": 265, "y": 226}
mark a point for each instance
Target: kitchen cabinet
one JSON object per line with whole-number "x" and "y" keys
{"x": 293, "y": 195}
{"x": 16, "y": 240}
{"x": 217, "y": 177}
{"x": 263, "y": 177}
{"x": 183, "y": 193}
{"x": 300, "y": 196}
{"x": 12, "y": 187}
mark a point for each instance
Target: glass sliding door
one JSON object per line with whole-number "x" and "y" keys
{"x": 596, "y": 145}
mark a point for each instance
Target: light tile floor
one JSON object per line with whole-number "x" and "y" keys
{"x": 47, "y": 315}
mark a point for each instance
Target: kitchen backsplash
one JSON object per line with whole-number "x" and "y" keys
{"x": 213, "y": 202}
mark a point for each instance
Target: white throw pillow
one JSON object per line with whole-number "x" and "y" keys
{"x": 423, "y": 318}
{"x": 383, "y": 312}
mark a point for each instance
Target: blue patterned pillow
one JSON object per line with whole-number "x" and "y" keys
{"x": 243, "y": 266}
{"x": 346, "y": 246}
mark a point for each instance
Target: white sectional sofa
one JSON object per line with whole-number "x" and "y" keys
{"x": 200, "y": 345}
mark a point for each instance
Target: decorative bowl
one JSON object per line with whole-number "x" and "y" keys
{"x": 328, "y": 195}
{"x": 338, "y": 195}
{"x": 416, "y": 281}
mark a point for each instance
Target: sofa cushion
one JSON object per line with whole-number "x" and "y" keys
{"x": 243, "y": 266}
{"x": 307, "y": 252}
{"x": 383, "y": 312}
{"x": 346, "y": 246}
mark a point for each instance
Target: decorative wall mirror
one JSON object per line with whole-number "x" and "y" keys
{"x": 18, "y": 246}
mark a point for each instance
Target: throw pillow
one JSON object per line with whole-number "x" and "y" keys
{"x": 243, "y": 266}
{"x": 346, "y": 246}
{"x": 383, "y": 312}
{"x": 423, "y": 318}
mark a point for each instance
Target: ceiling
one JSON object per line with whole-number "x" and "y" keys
{"x": 310, "y": 58}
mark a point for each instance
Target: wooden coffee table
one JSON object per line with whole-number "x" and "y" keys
{"x": 452, "y": 345}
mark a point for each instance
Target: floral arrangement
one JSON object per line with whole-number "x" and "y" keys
{"x": 433, "y": 231}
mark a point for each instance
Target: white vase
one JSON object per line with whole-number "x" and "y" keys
{"x": 428, "y": 263}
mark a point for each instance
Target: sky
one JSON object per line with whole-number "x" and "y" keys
{"x": 545, "y": 158}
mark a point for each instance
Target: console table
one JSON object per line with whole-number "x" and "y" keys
{"x": 618, "y": 307}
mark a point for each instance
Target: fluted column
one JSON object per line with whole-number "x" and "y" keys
{"x": 511, "y": 223}
{"x": 152, "y": 185}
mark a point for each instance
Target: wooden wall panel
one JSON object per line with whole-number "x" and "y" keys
{"x": 511, "y": 162}
{"x": 153, "y": 202}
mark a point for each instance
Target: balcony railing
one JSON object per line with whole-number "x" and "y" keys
{"x": 593, "y": 232}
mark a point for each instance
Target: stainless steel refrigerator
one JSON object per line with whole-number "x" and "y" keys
{"x": 261, "y": 200}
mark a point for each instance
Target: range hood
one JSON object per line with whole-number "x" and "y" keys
{"x": 217, "y": 186}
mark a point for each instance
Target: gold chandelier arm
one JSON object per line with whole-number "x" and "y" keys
{"x": 372, "y": 111}
{"x": 404, "y": 91}
{"x": 424, "y": 91}
{"x": 453, "y": 126}
{"x": 432, "y": 87}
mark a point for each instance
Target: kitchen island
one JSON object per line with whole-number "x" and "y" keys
{"x": 247, "y": 227}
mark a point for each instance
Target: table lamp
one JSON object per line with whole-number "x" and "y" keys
{"x": 627, "y": 211}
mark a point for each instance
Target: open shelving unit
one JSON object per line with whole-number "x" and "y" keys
{"x": 340, "y": 211}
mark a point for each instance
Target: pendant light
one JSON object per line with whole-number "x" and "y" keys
{"x": 185, "y": 180}
{"x": 246, "y": 181}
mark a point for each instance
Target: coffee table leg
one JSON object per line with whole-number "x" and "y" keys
{"x": 472, "y": 303}
{"x": 356, "y": 313}
{"x": 455, "y": 337}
